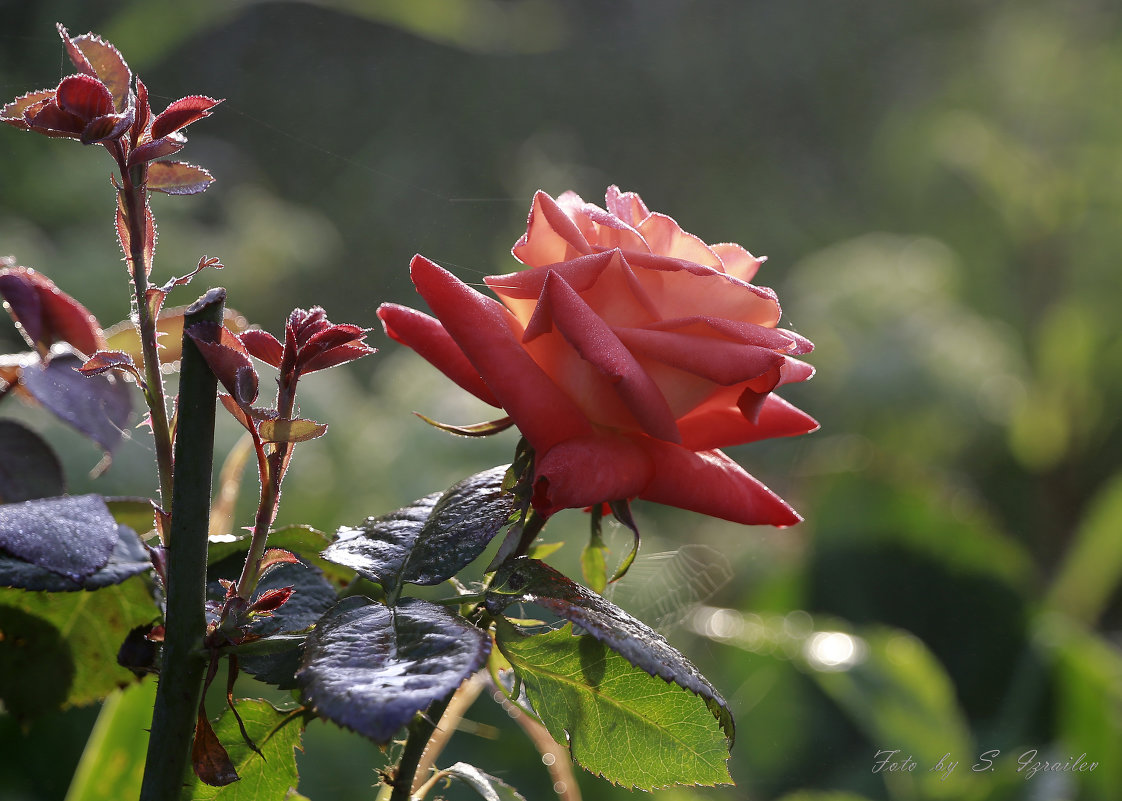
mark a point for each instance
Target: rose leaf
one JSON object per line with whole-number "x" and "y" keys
{"x": 619, "y": 722}
{"x": 430, "y": 540}
{"x": 370, "y": 668}
{"x": 178, "y": 178}
{"x": 72, "y": 536}
{"x": 128, "y": 559}
{"x": 525, "y": 580}
{"x": 486, "y": 785}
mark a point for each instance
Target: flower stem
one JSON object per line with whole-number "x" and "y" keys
{"x": 420, "y": 731}
{"x": 183, "y": 665}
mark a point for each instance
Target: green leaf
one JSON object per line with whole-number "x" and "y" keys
{"x": 136, "y": 513}
{"x": 370, "y": 667}
{"x": 1093, "y": 566}
{"x": 74, "y": 633}
{"x": 29, "y": 467}
{"x": 112, "y": 764}
{"x": 901, "y": 698}
{"x": 488, "y": 787}
{"x": 127, "y": 560}
{"x": 296, "y": 430}
{"x": 618, "y": 721}
{"x": 178, "y": 178}
{"x": 430, "y": 540}
{"x": 271, "y": 776}
{"x": 530, "y": 581}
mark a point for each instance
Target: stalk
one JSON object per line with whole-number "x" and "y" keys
{"x": 420, "y": 730}
{"x": 133, "y": 205}
{"x": 184, "y": 662}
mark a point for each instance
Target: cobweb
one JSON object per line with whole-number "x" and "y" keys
{"x": 661, "y": 589}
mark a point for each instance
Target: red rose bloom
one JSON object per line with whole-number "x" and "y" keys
{"x": 626, "y": 354}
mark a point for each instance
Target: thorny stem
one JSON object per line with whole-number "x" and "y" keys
{"x": 272, "y": 465}
{"x": 183, "y": 665}
{"x": 420, "y": 731}
{"x": 133, "y": 205}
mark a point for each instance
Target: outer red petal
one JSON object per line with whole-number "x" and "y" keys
{"x": 483, "y": 329}
{"x": 722, "y": 426}
{"x": 711, "y": 483}
{"x": 429, "y": 338}
{"x": 589, "y": 470}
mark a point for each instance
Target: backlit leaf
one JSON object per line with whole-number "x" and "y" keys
{"x": 296, "y": 430}
{"x": 488, "y": 787}
{"x": 178, "y": 178}
{"x": 618, "y": 721}
{"x": 263, "y": 777}
{"x": 127, "y": 559}
{"x": 530, "y": 581}
{"x": 97, "y": 406}
{"x": 371, "y": 668}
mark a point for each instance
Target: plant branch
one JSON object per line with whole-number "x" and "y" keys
{"x": 183, "y": 666}
{"x": 420, "y": 730}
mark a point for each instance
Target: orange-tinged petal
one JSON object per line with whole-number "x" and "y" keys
{"x": 585, "y": 471}
{"x": 722, "y": 425}
{"x": 550, "y": 235}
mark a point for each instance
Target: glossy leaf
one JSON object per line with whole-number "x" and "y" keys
{"x": 128, "y": 559}
{"x": 371, "y": 668}
{"x": 619, "y": 722}
{"x": 71, "y": 536}
{"x": 97, "y": 406}
{"x": 89, "y": 628}
{"x": 487, "y": 786}
{"x": 178, "y": 178}
{"x": 265, "y": 776}
{"x": 430, "y": 540}
{"x": 29, "y": 467}
{"x": 530, "y": 581}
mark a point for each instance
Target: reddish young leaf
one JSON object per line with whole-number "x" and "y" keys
{"x": 271, "y": 600}
{"x": 182, "y": 113}
{"x": 104, "y": 128}
{"x": 84, "y": 96}
{"x": 46, "y": 314}
{"x": 263, "y": 345}
{"x": 275, "y": 557}
{"x": 238, "y": 413}
{"x": 227, "y": 358}
{"x": 77, "y": 57}
{"x": 50, "y": 120}
{"x": 178, "y": 178}
{"x": 337, "y": 356}
{"x": 143, "y": 114}
{"x": 105, "y": 360}
{"x": 165, "y": 146}
{"x": 15, "y": 113}
{"x": 108, "y": 65}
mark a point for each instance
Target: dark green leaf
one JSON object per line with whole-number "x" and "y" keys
{"x": 29, "y": 467}
{"x": 97, "y": 406}
{"x": 72, "y": 536}
{"x": 91, "y": 625}
{"x": 262, "y": 778}
{"x": 371, "y": 668}
{"x": 488, "y": 787}
{"x": 304, "y": 541}
{"x": 430, "y": 540}
{"x": 530, "y": 581}
{"x": 127, "y": 559}
{"x": 618, "y": 721}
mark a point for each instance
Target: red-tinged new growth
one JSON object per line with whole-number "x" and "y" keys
{"x": 311, "y": 343}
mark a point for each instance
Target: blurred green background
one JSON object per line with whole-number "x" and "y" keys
{"x": 938, "y": 187}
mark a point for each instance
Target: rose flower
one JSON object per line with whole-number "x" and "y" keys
{"x": 627, "y": 354}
